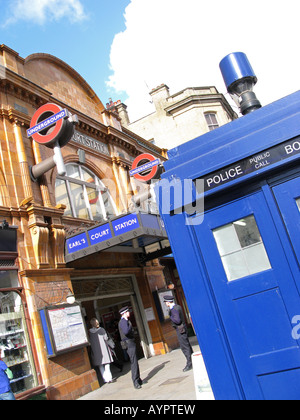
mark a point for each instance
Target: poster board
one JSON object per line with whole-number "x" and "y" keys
{"x": 64, "y": 329}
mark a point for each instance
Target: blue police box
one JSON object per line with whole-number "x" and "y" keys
{"x": 239, "y": 259}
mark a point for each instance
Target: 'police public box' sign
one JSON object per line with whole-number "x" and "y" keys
{"x": 253, "y": 164}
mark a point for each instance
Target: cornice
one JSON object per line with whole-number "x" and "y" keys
{"x": 46, "y": 272}
{"x": 45, "y": 211}
{"x": 27, "y": 91}
{"x": 200, "y": 100}
{"x": 22, "y": 88}
{"x": 140, "y": 141}
{"x": 124, "y": 163}
{"x": 16, "y": 116}
{"x": 4, "y": 47}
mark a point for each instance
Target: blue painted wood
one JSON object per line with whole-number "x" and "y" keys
{"x": 244, "y": 327}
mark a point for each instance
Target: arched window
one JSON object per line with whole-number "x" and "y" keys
{"x": 84, "y": 194}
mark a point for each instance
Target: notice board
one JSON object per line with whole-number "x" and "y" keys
{"x": 64, "y": 329}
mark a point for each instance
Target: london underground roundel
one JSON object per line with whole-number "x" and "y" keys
{"x": 50, "y": 125}
{"x": 144, "y": 167}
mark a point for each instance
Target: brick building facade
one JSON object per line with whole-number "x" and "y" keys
{"x": 96, "y": 188}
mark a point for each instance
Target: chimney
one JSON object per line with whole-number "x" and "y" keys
{"x": 120, "y": 109}
{"x": 159, "y": 96}
{"x": 123, "y": 114}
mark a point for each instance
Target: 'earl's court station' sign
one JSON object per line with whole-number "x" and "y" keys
{"x": 132, "y": 232}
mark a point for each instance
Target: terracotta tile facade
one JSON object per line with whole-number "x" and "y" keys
{"x": 26, "y": 85}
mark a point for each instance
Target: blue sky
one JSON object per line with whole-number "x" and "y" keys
{"x": 125, "y": 48}
{"x": 80, "y": 38}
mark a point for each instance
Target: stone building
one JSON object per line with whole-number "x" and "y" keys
{"x": 179, "y": 117}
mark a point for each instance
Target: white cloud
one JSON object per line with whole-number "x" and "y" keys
{"x": 181, "y": 44}
{"x": 41, "y": 11}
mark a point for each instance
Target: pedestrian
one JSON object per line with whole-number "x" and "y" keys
{"x": 178, "y": 322}
{"x": 128, "y": 341}
{"x": 6, "y": 393}
{"x": 100, "y": 351}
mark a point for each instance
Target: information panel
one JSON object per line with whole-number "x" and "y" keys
{"x": 66, "y": 328}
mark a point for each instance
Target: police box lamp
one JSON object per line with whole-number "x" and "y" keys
{"x": 240, "y": 79}
{"x": 53, "y": 127}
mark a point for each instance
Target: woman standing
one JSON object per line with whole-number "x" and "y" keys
{"x": 101, "y": 353}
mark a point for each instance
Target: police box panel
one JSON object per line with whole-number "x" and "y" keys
{"x": 256, "y": 294}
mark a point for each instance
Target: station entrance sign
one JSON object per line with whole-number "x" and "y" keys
{"x": 53, "y": 127}
{"x": 145, "y": 167}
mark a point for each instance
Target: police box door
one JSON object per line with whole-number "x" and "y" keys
{"x": 256, "y": 296}
{"x": 287, "y": 196}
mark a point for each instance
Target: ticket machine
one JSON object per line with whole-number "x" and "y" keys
{"x": 239, "y": 259}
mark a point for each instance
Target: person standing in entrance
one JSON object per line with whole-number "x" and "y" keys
{"x": 127, "y": 338}
{"x": 101, "y": 354}
{"x": 178, "y": 322}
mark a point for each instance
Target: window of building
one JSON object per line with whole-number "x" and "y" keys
{"x": 211, "y": 120}
{"x": 84, "y": 194}
{"x": 15, "y": 349}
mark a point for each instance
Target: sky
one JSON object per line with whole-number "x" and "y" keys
{"x": 125, "y": 48}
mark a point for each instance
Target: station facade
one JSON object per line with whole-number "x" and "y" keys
{"x": 41, "y": 214}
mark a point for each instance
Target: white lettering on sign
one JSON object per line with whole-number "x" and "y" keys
{"x": 77, "y": 243}
{"x": 47, "y": 123}
{"x": 90, "y": 143}
{"x": 126, "y": 224}
{"x": 225, "y": 176}
{"x": 261, "y": 160}
{"x": 100, "y": 234}
{"x": 293, "y": 147}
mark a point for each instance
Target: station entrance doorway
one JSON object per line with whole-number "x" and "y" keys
{"x": 103, "y": 297}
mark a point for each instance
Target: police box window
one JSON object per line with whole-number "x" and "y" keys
{"x": 84, "y": 194}
{"x": 241, "y": 248}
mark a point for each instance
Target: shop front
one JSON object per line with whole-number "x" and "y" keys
{"x": 15, "y": 331}
{"x": 109, "y": 272}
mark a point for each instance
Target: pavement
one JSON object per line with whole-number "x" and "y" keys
{"x": 163, "y": 380}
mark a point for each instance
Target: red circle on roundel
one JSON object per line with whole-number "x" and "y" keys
{"x": 150, "y": 158}
{"x": 38, "y": 118}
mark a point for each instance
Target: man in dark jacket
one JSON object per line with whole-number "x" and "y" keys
{"x": 178, "y": 322}
{"x": 127, "y": 339}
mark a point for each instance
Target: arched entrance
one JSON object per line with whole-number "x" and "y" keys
{"x": 102, "y": 297}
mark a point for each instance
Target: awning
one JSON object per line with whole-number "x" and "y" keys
{"x": 140, "y": 233}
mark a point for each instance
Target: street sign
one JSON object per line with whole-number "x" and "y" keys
{"x": 49, "y": 125}
{"x": 141, "y": 166}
